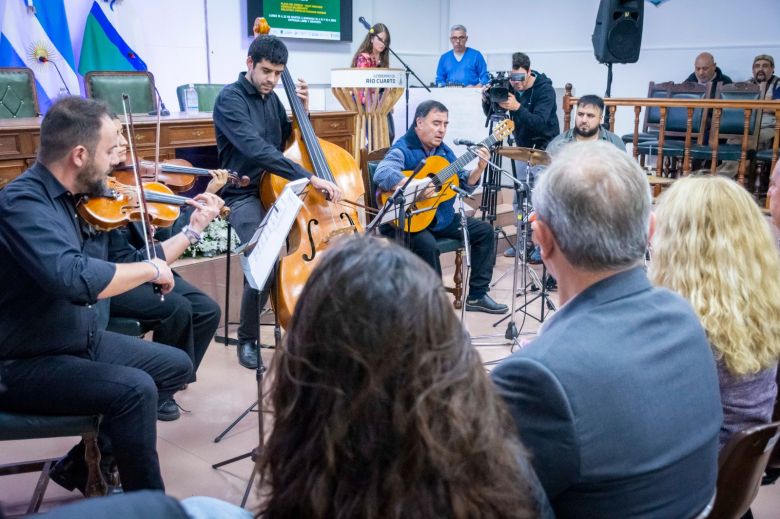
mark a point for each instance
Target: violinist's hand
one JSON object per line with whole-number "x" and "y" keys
{"x": 219, "y": 178}
{"x": 207, "y": 206}
{"x": 302, "y": 90}
{"x": 165, "y": 279}
{"x": 331, "y": 190}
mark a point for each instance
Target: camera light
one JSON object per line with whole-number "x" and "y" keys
{"x": 517, "y": 76}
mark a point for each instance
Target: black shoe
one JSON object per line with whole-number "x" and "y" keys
{"x": 247, "y": 354}
{"x": 550, "y": 284}
{"x": 168, "y": 410}
{"x": 70, "y": 474}
{"x": 485, "y": 304}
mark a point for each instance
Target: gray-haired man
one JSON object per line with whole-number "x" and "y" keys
{"x": 461, "y": 66}
{"x": 617, "y": 398}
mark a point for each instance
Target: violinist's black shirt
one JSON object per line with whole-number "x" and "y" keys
{"x": 251, "y": 131}
{"x": 49, "y": 280}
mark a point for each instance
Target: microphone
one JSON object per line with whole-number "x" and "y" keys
{"x": 461, "y": 192}
{"x": 163, "y": 111}
{"x": 44, "y": 60}
{"x": 464, "y": 142}
{"x": 365, "y": 24}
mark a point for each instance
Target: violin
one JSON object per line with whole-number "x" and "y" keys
{"x": 119, "y": 205}
{"x": 177, "y": 174}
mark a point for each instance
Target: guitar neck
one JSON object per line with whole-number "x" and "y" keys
{"x": 444, "y": 175}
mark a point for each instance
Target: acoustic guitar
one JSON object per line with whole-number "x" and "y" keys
{"x": 441, "y": 174}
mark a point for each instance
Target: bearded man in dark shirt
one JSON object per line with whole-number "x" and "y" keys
{"x": 252, "y": 130}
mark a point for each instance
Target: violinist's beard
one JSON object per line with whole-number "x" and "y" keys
{"x": 91, "y": 181}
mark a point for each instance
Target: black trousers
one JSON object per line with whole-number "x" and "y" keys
{"x": 121, "y": 378}
{"x": 245, "y": 216}
{"x": 483, "y": 250}
{"x": 186, "y": 319}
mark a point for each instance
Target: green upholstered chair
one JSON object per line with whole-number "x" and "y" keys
{"x": 109, "y": 86}
{"x": 732, "y": 124}
{"x": 371, "y": 161}
{"x": 207, "y": 94}
{"x": 126, "y": 326}
{"x": 18, "y": 96}
{"x": 14, "y": 426}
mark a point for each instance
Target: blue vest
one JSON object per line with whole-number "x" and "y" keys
{"x": 414, "y": 153}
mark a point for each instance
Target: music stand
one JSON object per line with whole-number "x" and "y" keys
{"x": 258, "y": 262}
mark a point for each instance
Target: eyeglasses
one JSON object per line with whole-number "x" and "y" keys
{"x": 458, "y": 38}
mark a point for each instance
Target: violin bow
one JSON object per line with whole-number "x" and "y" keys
{"x": 146, "y": 220}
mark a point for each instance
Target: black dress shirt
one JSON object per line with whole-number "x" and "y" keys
{"x": 251, "y": 131}
{"x": 49, "y": 281}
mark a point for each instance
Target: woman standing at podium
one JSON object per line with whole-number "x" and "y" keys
{"x": 374, "y": 52}
{"x": 375, "y": 49}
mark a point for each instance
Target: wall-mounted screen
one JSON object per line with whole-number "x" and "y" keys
{"x": 308, "y": 19}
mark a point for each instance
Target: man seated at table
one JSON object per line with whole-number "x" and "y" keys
{"x": 461, "y": 66}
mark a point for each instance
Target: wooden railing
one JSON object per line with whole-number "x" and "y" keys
{"x": 664, "y": 104}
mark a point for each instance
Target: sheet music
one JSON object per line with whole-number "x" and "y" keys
{"x": 413, "y": 191}
{"x": 271, "y": 234}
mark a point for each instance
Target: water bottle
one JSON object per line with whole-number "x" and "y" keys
{"x": 191, "y": 99}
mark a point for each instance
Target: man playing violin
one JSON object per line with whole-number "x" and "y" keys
{"x": 187, "y": 318}
{"x": 425, "y": 139}
{"x": 252, "y": 130}
{"x": 55, "y": 358}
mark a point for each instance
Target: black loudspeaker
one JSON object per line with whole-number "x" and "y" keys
{"x": 617, "y": 36}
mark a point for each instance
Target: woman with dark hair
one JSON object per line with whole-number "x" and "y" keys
{"x": 375, "y": 49}
{"x": 375, "y": 52}
{"x": 381, "y": 405}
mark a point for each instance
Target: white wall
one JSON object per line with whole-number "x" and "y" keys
{"x": 556, "y": 34}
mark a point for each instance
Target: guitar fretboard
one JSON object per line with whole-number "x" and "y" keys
{"x": 442, "y": 176}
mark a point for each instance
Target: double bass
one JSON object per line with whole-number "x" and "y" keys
{"x": 320, "y": 221}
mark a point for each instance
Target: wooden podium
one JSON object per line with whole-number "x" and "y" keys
{"x": 372, "y": 93}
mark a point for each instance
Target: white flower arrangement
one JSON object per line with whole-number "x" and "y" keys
{"x": 214, "y": 240}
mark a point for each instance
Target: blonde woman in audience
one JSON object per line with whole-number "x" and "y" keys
{"x": 714, "y": 247}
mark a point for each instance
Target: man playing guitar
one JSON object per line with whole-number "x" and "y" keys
{"x": 424, "y": 140}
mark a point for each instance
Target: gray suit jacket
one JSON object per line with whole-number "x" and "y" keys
{"x": 618, "y": 402}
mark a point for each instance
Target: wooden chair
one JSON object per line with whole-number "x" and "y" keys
{"x": 14, "y": 426}
{"x": 652, "y": 117}
{"x": 109, "y": 85}
{"x": 207, "y": 94}
{"x": 18, "y": 95}
{"x": 369, "y": 163}
{"x": 676, "y": 122}
{"x": 741, "y": 465}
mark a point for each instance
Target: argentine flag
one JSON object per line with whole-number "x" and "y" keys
{"x": 34, "y": 34}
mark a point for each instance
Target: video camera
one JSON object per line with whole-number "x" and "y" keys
{"x": 499, "y": 87}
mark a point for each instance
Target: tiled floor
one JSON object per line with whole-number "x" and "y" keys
{"x": 223, "y": 391}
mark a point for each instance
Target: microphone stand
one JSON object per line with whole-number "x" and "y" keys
{"x": 407, "y": 70}
{"x": 159, "y": 108}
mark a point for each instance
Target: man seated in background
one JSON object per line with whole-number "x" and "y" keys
{"x": 461, "y": 66}
{"x": 587, "y": 126}
{"x": 617, "y": 398}
{"x": 764, "y": 75}
{"x": 705, "y": 70}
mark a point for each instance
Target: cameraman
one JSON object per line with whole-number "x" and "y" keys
{"x": 531, "y": 104}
